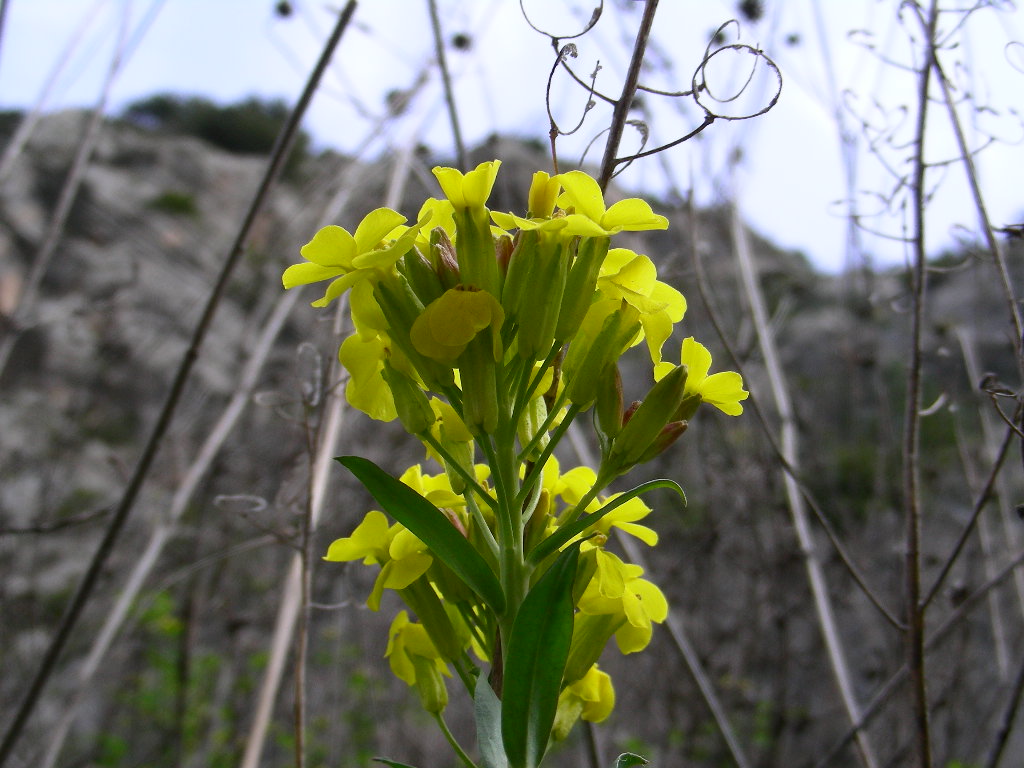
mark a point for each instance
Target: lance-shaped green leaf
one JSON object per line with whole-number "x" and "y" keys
{"x": 430, "y": 525}
{"x": 535, "y": 660}
{"x": 393, "y": 763}
{"x": 487, "y": 708}
{"x": 558, "y": 539}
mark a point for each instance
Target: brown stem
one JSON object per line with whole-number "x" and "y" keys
{"x": 915, "y": 610}
{"x": 449, "y": 96}
{"x": 628, "y": 89}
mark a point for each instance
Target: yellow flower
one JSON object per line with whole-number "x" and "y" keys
{"x": 589, "y": 216}
{"x": 569, "y": 486}
{"x": 469, "y": 190}
{"x": 437, "y": 489}
{"x": 723, "y": 390}
{"x": 449, "y": 323}
{"x": 596, "y": 693}
{"x": 377, "y": 244}
{"x": 616, "y": 589}
{"x": 633, "y": 278}
{"x": 403, "y": 557}
{"x": 592, "y": 697}
{"x": 366, "y": 390}
{"x": 406, "y": 638}
{"x": 439, "y": 214}
{"x": 624, "y": 518}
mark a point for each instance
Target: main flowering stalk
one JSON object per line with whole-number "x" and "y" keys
{"x": 486, "y": 335}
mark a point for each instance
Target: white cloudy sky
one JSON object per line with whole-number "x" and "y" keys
{"x": 791, "y": 175}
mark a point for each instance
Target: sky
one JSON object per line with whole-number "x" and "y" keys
{"x": 844, "y": 65}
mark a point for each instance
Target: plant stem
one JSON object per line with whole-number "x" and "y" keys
{"x": 449, "y": 95}
{"x": 625, "y": 100}
{"x": 914, "y": 639}
{"x": 454, "y": 744}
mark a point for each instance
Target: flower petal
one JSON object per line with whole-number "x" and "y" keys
{"x": 724, "y": 391}
{"x": 374, "y": 226}
{"x": 632, "y": 214}
{"x": 332, "y": 246}
{"x": 583, "y": 193}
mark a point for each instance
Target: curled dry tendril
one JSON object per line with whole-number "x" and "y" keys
{"x": 710, "y": 98}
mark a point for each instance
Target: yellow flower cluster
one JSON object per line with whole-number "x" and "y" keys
{"x": 486, "y": 334}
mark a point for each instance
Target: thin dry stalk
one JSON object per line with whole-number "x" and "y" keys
{"x": 141, "y": 472}
{"x": 985, "y": 224}
{"x": 624, "y": 101}
{"x": 789, "y": 447}
{"x": 446, "y": 80}
{"x": 914, "y": 637}
{"x": 987, "y": 544}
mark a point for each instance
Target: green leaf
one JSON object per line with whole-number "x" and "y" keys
{"x": 487, "y": 708}
{"x": 535, "y": 661}
{"x": 430, "y": 525}
{"x": 628, "y": 760}
{"x": 393, "y": 763}
{"x": 558, "y": 539}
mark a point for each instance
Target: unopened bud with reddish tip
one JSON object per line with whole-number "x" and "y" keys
{"x": 630, "y": 411}
{"x": 503, "y": 247}
{"x": 444, "y": 259}
{"x": 668, "y": 435}
{"x": 646, "y": 425}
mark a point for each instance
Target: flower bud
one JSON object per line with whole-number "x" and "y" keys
{"x": 534, "y": 416}
{"x": 517, "y": 274}
{"x": 544, "y": 191}
{"x": 608, "y": 406}
{"x": 539, "y": 308}
{"x": 580, "y": 285}
{"x": 479, "y": 386}
{"x": 589, "y": 356}
{"x": 429, "y": 684}
{"x": 538, "y": 522}
{"x": 443, "y": 259}
{"x": 646, "y": 424}
{"x": 421, "y": 276}
{"x": 411, "y": 402}
{"x": 503, "y": 247}
{"x": 668, "y": 435}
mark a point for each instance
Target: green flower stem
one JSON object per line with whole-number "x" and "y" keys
{"x": 531, "y": 502}
{"x": 454, "y": 744}
{"x": 481, "y": 524}
{"x": 538, "y": 466}
{"x": 528, "y": 388}
{"x": 546, "y": 426}
{"x": 513, "y": 570}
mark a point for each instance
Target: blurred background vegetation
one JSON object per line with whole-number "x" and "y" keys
{"x": 186, "y": 655}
